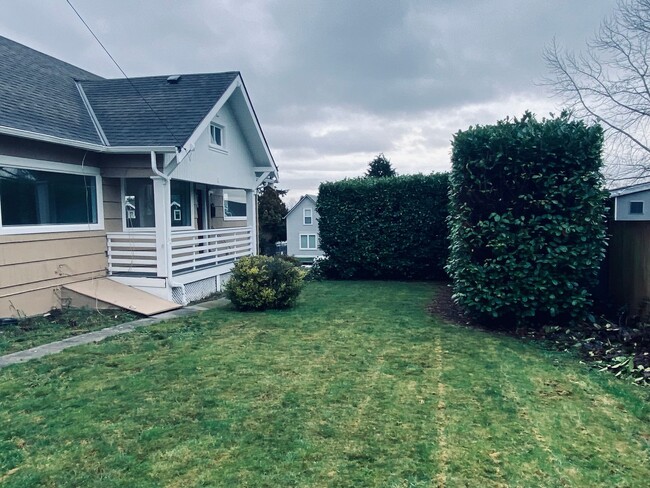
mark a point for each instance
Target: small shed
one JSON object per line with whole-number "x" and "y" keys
{"x": 629, "y": 248}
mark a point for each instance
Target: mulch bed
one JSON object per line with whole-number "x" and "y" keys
{"x": 622, "y": 349}
{"x": 444, "y": 307}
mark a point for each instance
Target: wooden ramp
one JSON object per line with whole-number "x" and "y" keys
{"x": 106, "y": 293}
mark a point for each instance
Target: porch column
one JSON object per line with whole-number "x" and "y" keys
{"x": 162, "y": 203}
{"x": 251, "y": 217}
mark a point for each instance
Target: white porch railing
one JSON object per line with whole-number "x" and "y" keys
{"x": 135, "y": 252}
{"x": 198, "y": 249}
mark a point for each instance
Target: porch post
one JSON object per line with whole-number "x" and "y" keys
{"x": 162, "y": 202}
{"x": 251, "y": 217}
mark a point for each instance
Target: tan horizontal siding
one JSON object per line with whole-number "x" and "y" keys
{"x": 36, "y": 251}
{"x": 41, "y": 271}
{"x": 112, "y": 204}
{"x": 29, "y": 303}
{"x": 34, "y": 266}
{"x": 52, "y": 236}
{"x": 49, "y": 284}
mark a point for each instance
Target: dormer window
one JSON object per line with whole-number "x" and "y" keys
{"x": 217, "y": 136}
{"x": 636, "y": 208}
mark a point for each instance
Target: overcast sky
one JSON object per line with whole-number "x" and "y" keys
{"x": 334, "y": 82}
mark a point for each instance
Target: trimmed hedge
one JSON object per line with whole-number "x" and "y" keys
{"x": 384, "y": 228}
{"x": 527, "y": 227}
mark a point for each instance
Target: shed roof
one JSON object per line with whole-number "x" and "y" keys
{"x": 628, "y": 190}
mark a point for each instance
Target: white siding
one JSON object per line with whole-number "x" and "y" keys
{"x": 623, "y": 206}
{"x": 232, "y": 168}
{"x": 295, "y": 227}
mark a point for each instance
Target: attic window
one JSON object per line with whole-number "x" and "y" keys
{"x": 636, "y": 208}
{"x": 173, "y": 79}
{"x": 217, "y": 136}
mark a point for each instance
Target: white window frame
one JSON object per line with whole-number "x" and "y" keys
{"x": 193, "y": 204}
{"x": 304, "y": 216}
{"x": 642, "y": 212}
{"x": 224, "y": 192}
{"x": 308, "y": 248}
{"x": 213, "y": 145}
{"x": 54, "y": 167}
{"x": 149, "y": 229}
{"x": 123, "y": 199}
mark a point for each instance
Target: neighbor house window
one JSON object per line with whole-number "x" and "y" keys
{"x": 234, "y": 204}
{"x": 308, "y": 241}
{"x": 636, "y": 208}
{"x": 306, "y": 216}
{"x": 139, "y": 207}
{"x": 217, "y": 135}
{"x": 181, "y": 206}
{"x": 40, "y": 198}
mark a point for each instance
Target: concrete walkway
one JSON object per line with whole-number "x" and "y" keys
{"x": 100, "y": 335}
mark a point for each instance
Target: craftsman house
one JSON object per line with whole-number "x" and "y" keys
{"x": 110, "y": 188}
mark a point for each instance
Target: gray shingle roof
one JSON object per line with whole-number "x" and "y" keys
{"x": 38, "y": 93}
{"x": 179, "y": 107}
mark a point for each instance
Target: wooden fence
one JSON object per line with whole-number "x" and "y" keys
{"x": 629, "y": 265}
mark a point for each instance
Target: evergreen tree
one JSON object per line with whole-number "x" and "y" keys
{"x": 380, "y": 167}
{"x": 271, "y": 213}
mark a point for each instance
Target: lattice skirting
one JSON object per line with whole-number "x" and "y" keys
{"x": 196, "y": 290}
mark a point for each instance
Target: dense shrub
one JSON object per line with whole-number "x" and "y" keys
{"x": 261, "y": 282}
{"x": 389, "y": 228}
{"x": 527, "y": 225}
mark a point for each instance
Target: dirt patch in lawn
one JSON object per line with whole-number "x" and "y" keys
{"x": 444, "y": 307}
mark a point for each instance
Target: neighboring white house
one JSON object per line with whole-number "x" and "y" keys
{"x": 147, "y": 183}
{"x": 303, "y": 240}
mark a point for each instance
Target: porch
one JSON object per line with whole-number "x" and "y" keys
{"x": 197, "y": 260}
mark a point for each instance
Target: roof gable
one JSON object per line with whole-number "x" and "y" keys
{"x": 47, "y": 99}
{"x": 312, "y": 198}
{"x": 168, "y": 117}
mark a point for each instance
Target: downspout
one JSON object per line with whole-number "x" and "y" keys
{"x": 168, "y": 231}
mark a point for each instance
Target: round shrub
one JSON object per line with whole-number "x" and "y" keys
{"x": 262, "y": 282}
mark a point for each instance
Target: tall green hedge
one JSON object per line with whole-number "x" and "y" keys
{"x": 527, "y": 219}
{"x": 385, "y": 228}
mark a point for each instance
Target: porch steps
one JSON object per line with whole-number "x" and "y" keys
{"x": 106, "y": 293}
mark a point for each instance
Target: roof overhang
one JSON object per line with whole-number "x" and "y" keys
{"x": 629, "y": 190}
{"x": 266, "y": 161}
{"x": 10, "y": 131}
{"x": 302, "y": 199}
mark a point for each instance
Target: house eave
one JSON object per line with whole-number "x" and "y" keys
{"x": 302, "y": 198}
{"x": 10, "y": 131}
{"x": 629, "y": 190}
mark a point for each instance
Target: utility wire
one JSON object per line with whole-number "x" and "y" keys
{"x": 125, "y": 75}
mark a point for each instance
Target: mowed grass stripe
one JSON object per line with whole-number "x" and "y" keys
{"x": 357, "y": 386}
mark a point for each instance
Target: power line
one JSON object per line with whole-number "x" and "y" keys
{"x": 125, "y": 75}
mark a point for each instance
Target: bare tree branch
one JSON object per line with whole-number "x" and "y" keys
{"x": 609, "y": 83}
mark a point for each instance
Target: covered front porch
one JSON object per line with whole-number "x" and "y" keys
{"x": 193, "y": 268}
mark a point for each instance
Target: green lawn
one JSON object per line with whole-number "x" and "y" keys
{"x": 356, "y": 387}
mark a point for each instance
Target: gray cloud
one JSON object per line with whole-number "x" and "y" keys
{"x": 334, "y": 82}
